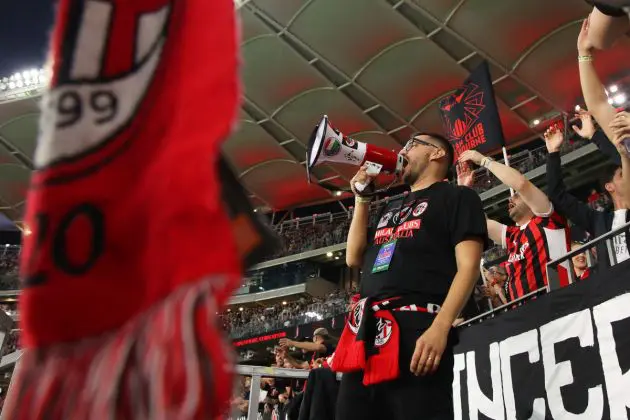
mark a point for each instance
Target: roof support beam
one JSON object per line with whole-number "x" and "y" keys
{"x": 286, "y": 34}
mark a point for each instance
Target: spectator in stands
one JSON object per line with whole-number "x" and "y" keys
{"x": 613, "y": 180}
{"x": 322, "y": 346}
{"x": 593, "y": 197}
{"x": 495, "y": 288}
{"x": 540, "y": 232}
{"x": 580, "y": 263}
{"x": 425, "y": 251}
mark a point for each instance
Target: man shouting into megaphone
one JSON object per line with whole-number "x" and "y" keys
{"x": 419, "y": 264}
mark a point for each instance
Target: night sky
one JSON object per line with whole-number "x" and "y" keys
{"x": 24, "y": 29}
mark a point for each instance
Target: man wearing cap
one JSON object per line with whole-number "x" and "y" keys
{"x": 419, "y": 266}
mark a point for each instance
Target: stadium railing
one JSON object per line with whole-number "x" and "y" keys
{"x": 257, "y": 373}
{"x": 553, "y": 274}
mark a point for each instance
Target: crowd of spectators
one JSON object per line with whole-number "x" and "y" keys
{"x": 246, "y": 321}
{"x": 301, "y": 235}
{"x": 12, "y": 342}
{"x": 9, "y": 263}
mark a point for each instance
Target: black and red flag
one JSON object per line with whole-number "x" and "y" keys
{"x": 470, "y": 115}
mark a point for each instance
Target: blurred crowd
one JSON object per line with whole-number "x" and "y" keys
{"x": 246, "y": 321}
{"x": 9, "y": 264}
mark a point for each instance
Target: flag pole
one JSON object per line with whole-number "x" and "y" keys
{"x": 507, "y": 163}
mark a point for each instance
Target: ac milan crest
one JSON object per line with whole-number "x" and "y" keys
{"x": 100, "y": 94}
{"x": 420, "y": 208}
{"x": 350, "y": 142}
{"x": 383, "y": 332}
{"x": 354, "y": 319}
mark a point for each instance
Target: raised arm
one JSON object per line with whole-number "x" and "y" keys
{"x": 592, "y": 88}
{"x": 357, "y": 235}
{"x": 496, "y": 231}
{"x": 297, "y": 364}
{"x": 532, "y": 195}
{"x": 304, "y": 345}
{"x": 620, "y": 127}
{"x": 588, "y": 131}
{"x": 566, "y": 204}
{"x": 606, "y": 28}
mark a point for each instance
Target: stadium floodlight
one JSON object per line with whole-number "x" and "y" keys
{"x": 536, "y": 122}
{"x": 17, "y": 76}
{"x": 27, "y": 82}
{"x": 34, "y": 73}
{"x": 42, "y": 79}
{"x": 613, "y": 88}
{"x": 3, "y": 86}
{"x": 619, "y": 99}
{"x": 11, "y": 85}
{"x": 5, "y": 80}
{"x": 19, "y": 84}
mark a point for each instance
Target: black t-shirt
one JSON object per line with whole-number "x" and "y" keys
{"x": 330, "y": 349}
{"x": 428, "y": 224}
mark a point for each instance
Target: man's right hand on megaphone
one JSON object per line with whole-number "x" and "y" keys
{"x": 360, "y": 181}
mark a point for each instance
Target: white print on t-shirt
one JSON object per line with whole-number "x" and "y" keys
{"x": 520, "y": 255}
{"x": 384, "y": 220}
{"x": 619, "y": 242}
{"x": 403, "y": 214}
{"x": 420, "y": 208}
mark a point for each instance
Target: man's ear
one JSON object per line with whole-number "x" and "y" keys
{"x": 609, "y": 187}
{"x": 438, "y": 153}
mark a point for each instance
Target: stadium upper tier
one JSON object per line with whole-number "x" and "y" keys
{"x": 379, "y": 75}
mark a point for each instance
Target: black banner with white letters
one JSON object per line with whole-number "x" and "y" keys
{"x": 565, "y": 355}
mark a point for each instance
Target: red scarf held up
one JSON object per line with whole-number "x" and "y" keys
{"x": 125, "y": 206}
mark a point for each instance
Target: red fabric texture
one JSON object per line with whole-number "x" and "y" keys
{"x": 123, "y": 219}
{"x": 351, "y": 356}
{"x": 383, "y": 366}
{"x": 169, "y": 363}
{"x": 350, "y": 353}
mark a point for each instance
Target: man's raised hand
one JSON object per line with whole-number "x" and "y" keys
{"x": 588, "y": 125}
{"x": 553, "y": 138}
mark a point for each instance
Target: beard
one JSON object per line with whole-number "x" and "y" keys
{"x": 412, "y": 173}
{"x": 410, "y": 177}
{"x": 517, "y": 213}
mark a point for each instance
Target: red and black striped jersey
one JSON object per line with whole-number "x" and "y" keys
{"x": 530, "y": 247}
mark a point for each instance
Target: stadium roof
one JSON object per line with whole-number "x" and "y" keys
{"x": 378, "y": 69}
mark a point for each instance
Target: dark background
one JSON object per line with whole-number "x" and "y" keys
{"x": 24, "y": 29}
